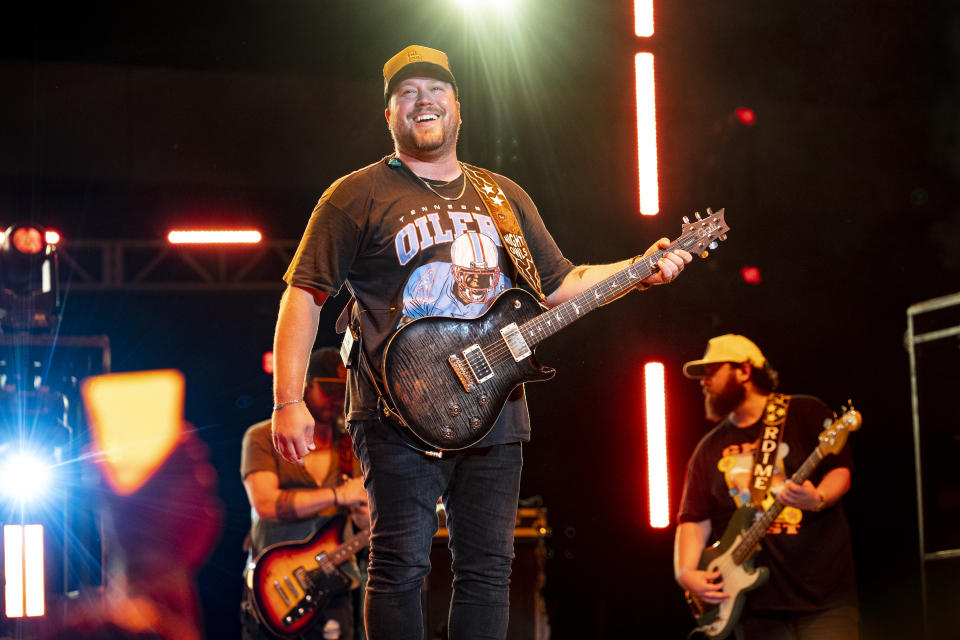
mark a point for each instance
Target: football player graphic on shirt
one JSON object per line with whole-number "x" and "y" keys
{"x": 461, "y": 288}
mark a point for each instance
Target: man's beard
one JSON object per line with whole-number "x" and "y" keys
{"x": 408, "y": 140}
{"x": 721, "y": 403}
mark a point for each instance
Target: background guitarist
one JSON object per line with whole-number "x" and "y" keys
{"x": 291, "y": 501}
{"x": 811, "y": 593}
{"x": 390, "y": 232}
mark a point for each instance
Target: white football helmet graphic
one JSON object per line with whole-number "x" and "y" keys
{"x": 475, "y": 267}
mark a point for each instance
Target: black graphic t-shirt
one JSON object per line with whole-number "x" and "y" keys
{"x": 405, "y": 252}
{"x": 808, "y": 552}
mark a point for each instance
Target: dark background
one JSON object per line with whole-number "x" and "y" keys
{"x": 124, "y": 120}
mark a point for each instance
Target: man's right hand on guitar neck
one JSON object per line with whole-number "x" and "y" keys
{"x": 706, "y": 586}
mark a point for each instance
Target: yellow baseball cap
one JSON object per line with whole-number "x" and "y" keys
{"x": 416, "y": 60}
{"x": 729, "y": 347}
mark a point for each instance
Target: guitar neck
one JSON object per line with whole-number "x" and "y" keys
{"x": 758, "y": 529}
{"x": 550, "y": 322}
{"x": 342, "y": 553}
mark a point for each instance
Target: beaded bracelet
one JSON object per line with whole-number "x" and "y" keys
{"x": 281, "y": 405}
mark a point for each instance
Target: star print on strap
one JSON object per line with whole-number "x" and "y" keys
{"x": 499, "y": 209}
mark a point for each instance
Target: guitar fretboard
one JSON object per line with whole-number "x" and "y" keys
{"x": 548, "y": 323}
{"x": 343, "y": 552}
{"x": 757, "y": 530}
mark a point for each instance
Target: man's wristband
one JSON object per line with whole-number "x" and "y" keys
{"x": 336, "y": 497}
{"x": 281, "y": 405}
{"x": 822, "y": 503}
{"x": 680, "y": 573}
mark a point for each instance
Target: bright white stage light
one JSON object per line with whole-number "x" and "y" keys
{"x": 25, "y": 477}
{"x": 502, "y": 5}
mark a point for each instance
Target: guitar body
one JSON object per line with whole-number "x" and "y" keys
{"x": 291, "y": 585}
{"x": 425, "y": 389}
{"x": 448, "y": 378}
{"x": 718, "y": 621}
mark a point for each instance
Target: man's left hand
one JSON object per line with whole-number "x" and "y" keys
{"x": 670, "y": 265}
{"x": 802, "y": 496}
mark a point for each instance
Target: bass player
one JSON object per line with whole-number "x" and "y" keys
{"x": 762, "y": 438}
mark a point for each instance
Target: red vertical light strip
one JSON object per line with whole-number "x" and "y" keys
{"x": 655, "y": 403}
{"x": 648, "y": 177}
{"x": 648, "y": 174}
{"x": 643, "y": 18}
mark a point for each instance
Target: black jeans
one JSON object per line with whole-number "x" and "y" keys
{"x": 479, "y": 488}
{"x": 838, "y": 623}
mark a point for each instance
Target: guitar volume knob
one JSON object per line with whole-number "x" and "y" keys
{"x": 454, "y": 410}
{"x": 446, "y": 432}
{"x": 475, "y": 423}
{"x": 484, "y": 399}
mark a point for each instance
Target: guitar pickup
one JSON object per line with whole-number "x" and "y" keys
{"x": 478, "y": 363}
{"x": 519, "y": 348}
{"x": 303, "y": 579}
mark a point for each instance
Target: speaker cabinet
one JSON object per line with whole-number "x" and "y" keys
{"x": 528, "y": 613}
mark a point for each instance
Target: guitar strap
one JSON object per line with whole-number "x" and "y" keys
{"x": 765, "y": 455}
{"x": 498, "y": 206}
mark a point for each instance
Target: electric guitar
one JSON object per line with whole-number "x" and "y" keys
{"x": 733, "y": 555}
{"x": 293, "y": 580}
{"x": 448, "y": 378}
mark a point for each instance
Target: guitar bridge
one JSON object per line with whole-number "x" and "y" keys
{"x": 519, "y": 348}
{"x": 462, "y": 371}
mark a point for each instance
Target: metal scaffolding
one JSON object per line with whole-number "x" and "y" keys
{"x": 135, "y": 265}
{"x": 933, "y": 324}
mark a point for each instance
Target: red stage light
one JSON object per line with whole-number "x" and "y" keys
{"x": 751, "y": 275}
{"x": 268, "y": 362}
{"x": 214, "y": 236}
{"x": 648, "y": 173}
{"x": 745, "y": 116}
{"x": 27, "y": 240}
{"x": 655, "y": 403}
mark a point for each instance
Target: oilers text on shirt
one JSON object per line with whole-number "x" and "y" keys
{"x": 433, "y": 226}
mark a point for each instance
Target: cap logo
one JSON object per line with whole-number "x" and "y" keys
{"x": 413, "y": 56}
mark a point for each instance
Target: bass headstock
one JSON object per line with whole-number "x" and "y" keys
{"x": 703, "y": 233}
{"x": 834, "y": 436}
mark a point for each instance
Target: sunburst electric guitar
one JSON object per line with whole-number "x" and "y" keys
{"x": 293, "y": 581}
{"x": 733, "y": 555}
{"x": 448, "y": 378}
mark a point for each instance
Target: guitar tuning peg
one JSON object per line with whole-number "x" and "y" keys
{"x": 686, "y": 220}
{"x": 704, "y": 254}
{"x": 723, "y": 237}
{"x": 697, "y": 215}
{"x": 712, "y": 245}
{"x": 709, "y": 211}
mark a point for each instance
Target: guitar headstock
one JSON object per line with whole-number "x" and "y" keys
{"x": 834, "y": 437}
{"x": 703, "y": 233}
